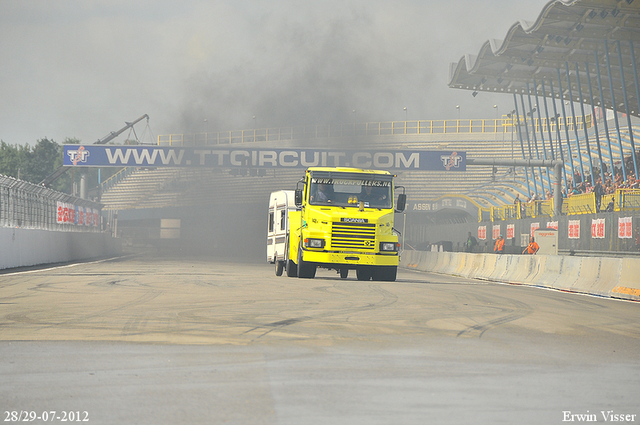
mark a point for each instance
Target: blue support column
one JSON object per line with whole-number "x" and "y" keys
{"x": 546, "y": 113}
{"x": 575, "y": 123}
{"x": 526, "y": 127}
{"x": 595, "y": 121}
{"x": 558, "y": 136}
{"x": 615, "y": 115}
{"x": 635, "y": 74}
{"x": 533, "y": 123}
{"x": 535, "y": 140}
{"x": 604, "y": 110}
{"x": 584, "y": 125}
{"x": 626, "y": 108}
{"x": 515, "y": 102}
{"x": 566, "y": 129}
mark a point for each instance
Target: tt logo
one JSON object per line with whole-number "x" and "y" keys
{"x": 79, "y": 155}
{"x": 452, "y": 160}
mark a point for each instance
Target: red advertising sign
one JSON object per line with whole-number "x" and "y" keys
{"x": 71, "y": 214}
{"x": 624, "y": 227}
{"x": 66, "y": 213}
{"x": 597, "y": 228}
{"x": 482, "y": 232}
{"x": 496, "y": 231}
{"x": 574, "y": 229}
{"x": 511, "y": 231}
{"x": 534, "y": 226}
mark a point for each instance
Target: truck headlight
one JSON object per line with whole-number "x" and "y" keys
{"x": 388, "y": 246}
{"x": 314, "y": 243}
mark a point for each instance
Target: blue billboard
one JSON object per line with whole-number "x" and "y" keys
{"x": 160, "y": 156}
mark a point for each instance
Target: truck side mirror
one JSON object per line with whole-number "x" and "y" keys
{"x": 298, "y": 197}
{"x": 402, "y": 202}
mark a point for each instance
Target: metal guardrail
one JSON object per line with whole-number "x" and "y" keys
{"x": 584, "y": 203}
{"x": 585, "y": 253}
{"x": 499, "y": 125}
{"x": 116, "y": 178}
{"x": 27, "y": 205}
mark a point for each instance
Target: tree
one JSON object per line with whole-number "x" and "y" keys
{"x": 43, "y": 160}
{"x": 31, "y": 164}
{"x": 14, "y": 159}
{"x": 35, "y": 164}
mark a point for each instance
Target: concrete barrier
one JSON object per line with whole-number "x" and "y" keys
{"x": 501, "y": 268}
{"x": 488, "y": 266}
{"x": 596, "y": 275}
{"x": 29, "y": 247}
{"x": 603, "y": 276}
{"x": 550, "y": 272}
{"x": 629, "y": 284}
{"x": 466, "y": 266}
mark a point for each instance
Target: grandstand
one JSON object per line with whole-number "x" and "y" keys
{"x": 169, "y": 187}
{"x": 144, "y": 188}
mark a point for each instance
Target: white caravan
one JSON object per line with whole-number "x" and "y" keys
{"x": 280, "y": 203}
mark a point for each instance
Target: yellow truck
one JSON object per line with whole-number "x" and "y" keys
{"x": 339, "y": 219}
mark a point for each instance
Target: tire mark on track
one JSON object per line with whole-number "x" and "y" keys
{"x": 511, "y": 310}
{"x": 388, "y": 298}
{"x": 48, "y": 324}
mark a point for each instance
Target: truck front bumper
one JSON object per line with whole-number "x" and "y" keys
{"x": 350, "y": 259}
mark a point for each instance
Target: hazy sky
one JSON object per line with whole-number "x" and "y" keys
{"x": 81, "y": 68}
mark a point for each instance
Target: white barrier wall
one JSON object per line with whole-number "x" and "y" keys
{"x": 608, "y": 277}
{"x": 29, "y": 247}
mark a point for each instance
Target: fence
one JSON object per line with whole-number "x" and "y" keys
{"x": 585, "y": 203}
{"x": 500, "y": 125}
{"x": 26, "y": 205}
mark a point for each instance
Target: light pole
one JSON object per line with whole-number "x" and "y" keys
{"x": 206, "y": 128}
{"x": 354, "y": 122}
{"x": 458, "y": 109}
{"x": 405, "y": 120}
{"x": 497, "y": 118}
{"x": 512, "y": 116}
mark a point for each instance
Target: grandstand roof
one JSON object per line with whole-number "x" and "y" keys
{"x": 565, "y": 34}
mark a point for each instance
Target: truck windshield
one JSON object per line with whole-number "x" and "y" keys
{"x": 349, "y": 192}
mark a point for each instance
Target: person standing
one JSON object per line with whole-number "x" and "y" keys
{"x": 532, "y": 248}
{"x": 471, "y": 242}
{"x": 598, "y": 191}
{"x": 499, "y": 247}
{"x": 518, "y": 205}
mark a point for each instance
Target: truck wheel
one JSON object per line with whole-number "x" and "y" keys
{"x": 385, "y": 273}
{"x": 305, "y": 270}
{"x": 363, "y": 273}
{"x": 279, "y": 267}
{"x": 292, "y": 269}
{"x": 344, "y": 273}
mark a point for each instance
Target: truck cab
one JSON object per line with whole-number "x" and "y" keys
{"x": 343, "y": 220}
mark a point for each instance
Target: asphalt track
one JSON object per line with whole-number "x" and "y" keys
{"x": 149, "y": 340}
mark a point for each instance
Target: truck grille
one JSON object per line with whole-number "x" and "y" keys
{"x": 360, "y": 236}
